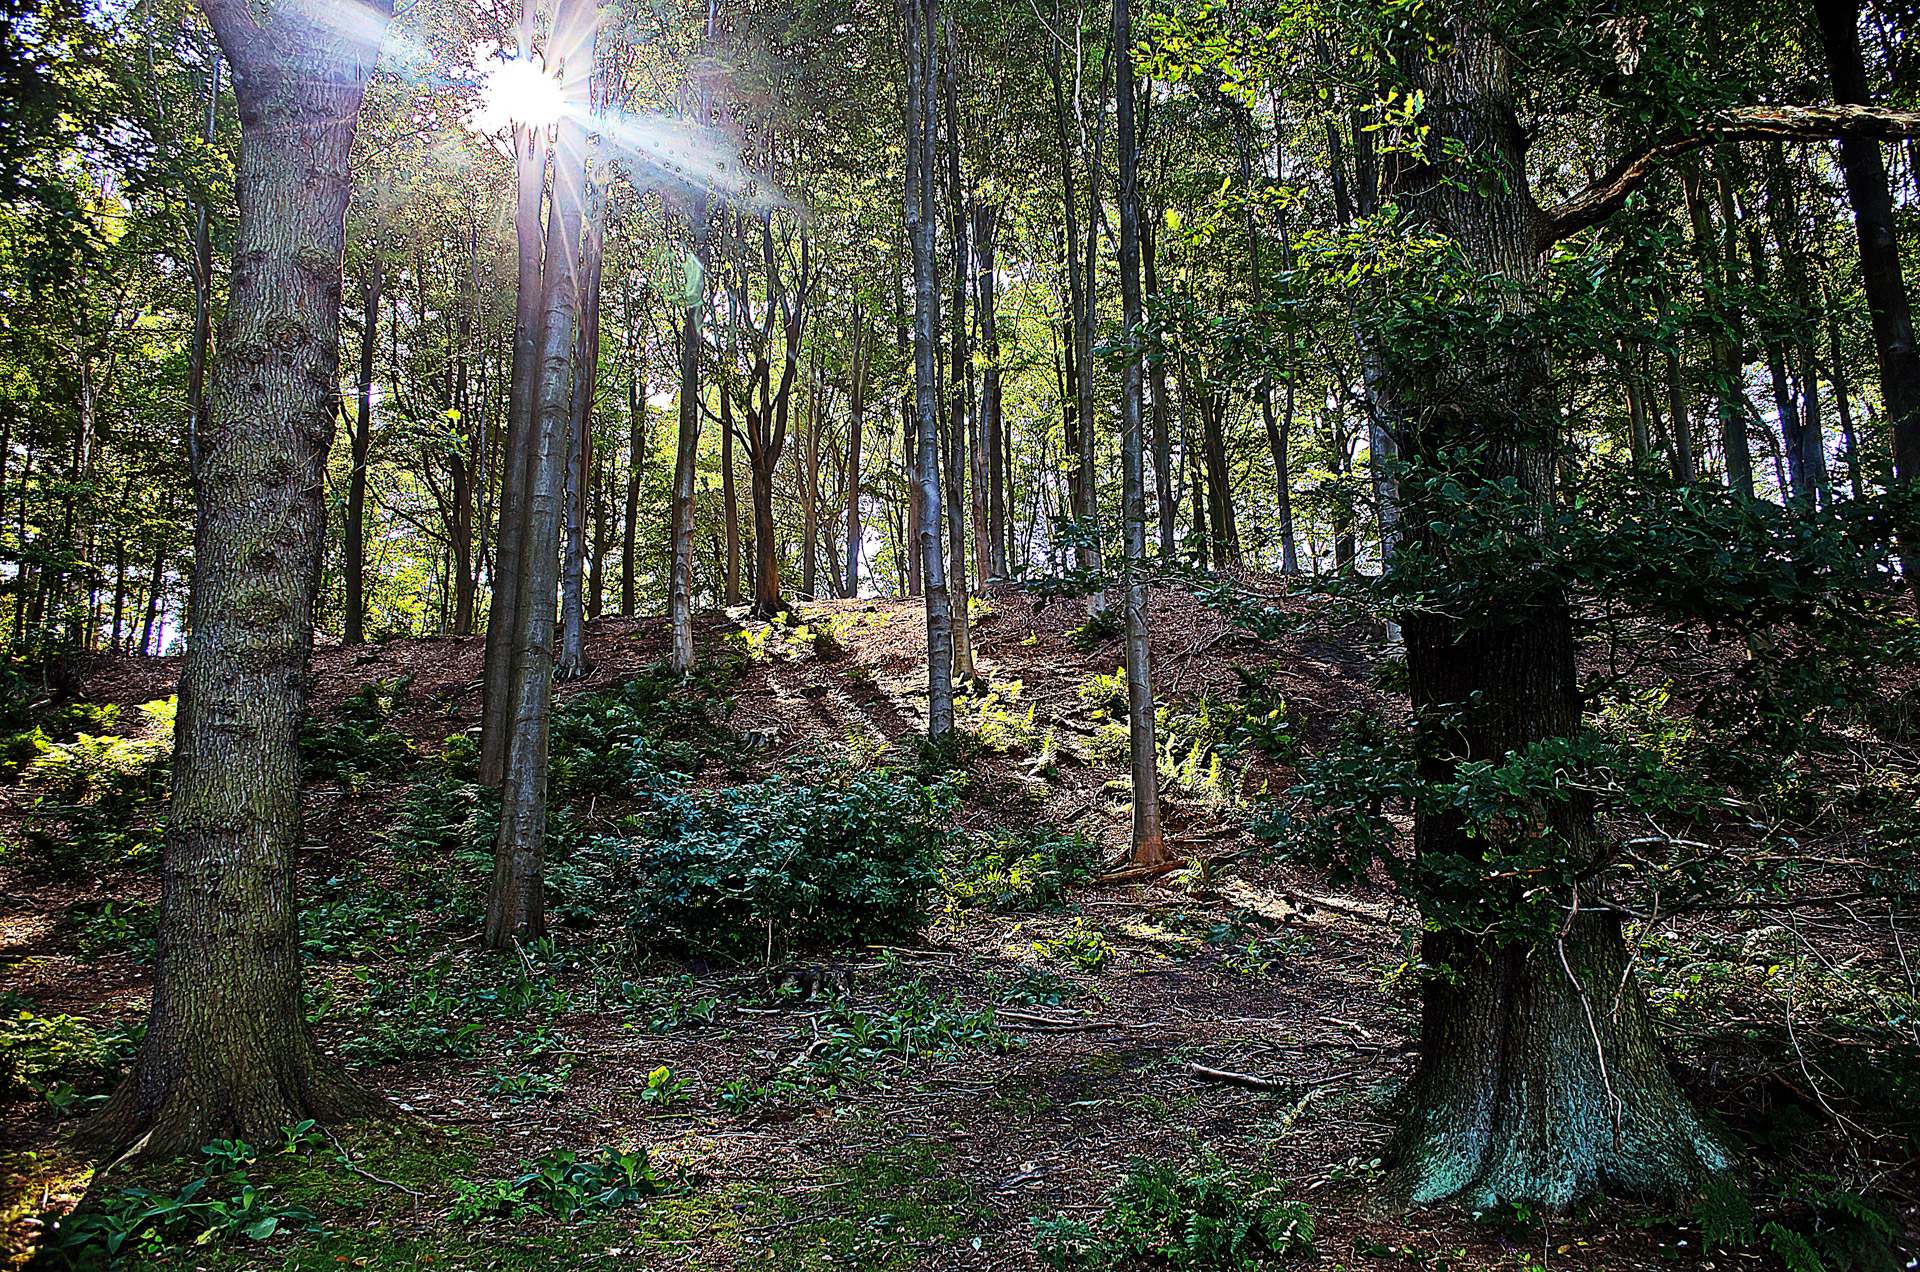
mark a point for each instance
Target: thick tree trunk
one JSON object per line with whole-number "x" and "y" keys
{"x": 1540, "y": 1080}
{"x": 1888, "y": 306}
{"x": 228, "y": 1051}
{"x": 516, "y": 898}
{"x": 354, "y": 538}
{"x": 530, "y": 168}
{"x": 922, "y": 73}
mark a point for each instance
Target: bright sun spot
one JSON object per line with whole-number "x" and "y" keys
{"x": 518, "y": 92}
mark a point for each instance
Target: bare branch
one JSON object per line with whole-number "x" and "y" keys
{"x": 1747, "y": 123}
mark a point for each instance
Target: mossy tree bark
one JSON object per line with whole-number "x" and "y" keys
{"x": 228, "y": 1051}
{"x": 1540, "y": 1080}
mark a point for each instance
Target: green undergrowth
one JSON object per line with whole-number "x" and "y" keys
{"x": 359, "y": 740}
{"x": 1016, "y": 871}
{"x": 91, "y": 797}
{"x": 65, "y": 1061}
{"x": 1206, "y": 1216}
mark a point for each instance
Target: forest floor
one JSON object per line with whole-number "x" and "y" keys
{"x": 1069, "y": 1038}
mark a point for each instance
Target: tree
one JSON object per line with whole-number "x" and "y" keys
{"x": 530, "y": 178}
{"x": 922, "y": 58}
{"x": 1148, "y": 848}
{"x": 228, "y": 1051}
{"x": 516, "y": 897}
{"x": 1885, "y": 284}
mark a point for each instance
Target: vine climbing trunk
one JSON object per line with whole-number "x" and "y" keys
{"x": 228, "y": 1051}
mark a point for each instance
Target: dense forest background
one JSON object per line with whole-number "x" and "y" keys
{"x": 1166, "y": 633}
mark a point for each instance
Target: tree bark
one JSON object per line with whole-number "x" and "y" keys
{"x": 922, "y": 59}
{"x": 354, "y": 546}
{"x": 516, "y": 897}
{"x": 1539, "y": 1078}
{"x": 228, "y": 1051}
{"x": 530, "y": 168}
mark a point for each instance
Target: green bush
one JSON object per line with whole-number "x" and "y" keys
{"x": 1208, "y": 1216}
{"x": 38, "y": 1052}
{"x": 1017, "y": 871}
{"x": 360, "y": 740}
{"x": 652, "y": 727}
{"x": 844, "y": 860}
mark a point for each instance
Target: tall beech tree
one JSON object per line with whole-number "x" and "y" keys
{"x": 920, "y": 51}
{"x": 228, "y": 1051}
{"x": 516, "y": 897}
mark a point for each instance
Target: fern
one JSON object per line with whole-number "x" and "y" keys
{"x": 1794, "y": 1250}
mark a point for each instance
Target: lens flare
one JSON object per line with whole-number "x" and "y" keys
{"x": 517, "y": 92}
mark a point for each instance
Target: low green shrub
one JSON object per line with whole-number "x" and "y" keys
{"x": 655, "y": 726}
{"x": 567, "y": 1185}
{"x": 1207, "y": 1216}
{"x": 844, "y": 860}
{"x": 1020, "y": 871}
{"x": 360, "y": 741}
{"x": 60, "y": 1058}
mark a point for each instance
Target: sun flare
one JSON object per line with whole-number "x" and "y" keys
{"x": 518, "y": 92}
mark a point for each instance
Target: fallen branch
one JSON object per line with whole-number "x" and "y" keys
{"x": 1239, "y": 1079}
{"x": 346, "y": 1159}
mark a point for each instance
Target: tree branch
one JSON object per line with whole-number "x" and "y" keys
{"x": 1747, "y": 123}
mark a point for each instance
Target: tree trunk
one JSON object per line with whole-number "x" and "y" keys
{"x": 530, "y": 167}
{"x": 1539, "y": 1078}
{"x": 636, "y": 460}
{"x": 922, "y": 60}
{"x": 1842, "y": 406}
{"x": 586, "y": 385}
{"x": 228, "y": 1051}
{"x": 354, "y": 547}
{"x": 1684, "y": 470}
{"x": 1885, "y": 285}
{"x": 729, "y": 499}
{"x": 516, "y": 898}
{"x": 687, "y": 445}
{"x": 1149, "y": 849}
{"x": 856, "y": 421}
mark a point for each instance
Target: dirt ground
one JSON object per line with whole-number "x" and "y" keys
{"x": 924, "y": 1162}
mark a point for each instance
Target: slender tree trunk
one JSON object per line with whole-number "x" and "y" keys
{"x": 1684, "y": 469}
{"x": 586, "y": 384}
{"x": 636, "y": 460}
{"x": 922, "y": 58}
{"x": 856, "y": 421}
{"x": 228, "y": 1051}
{"x": 986, "y": 228}
{"x": 1842, "y": 406}
{"x": 1888, "y": 307}
{"x": 729, "y": 500}
{"x": 957, "y": 425}
{"x": 530, "y": 167}
{"x": 1149, "y": 849}
{"x": 1723, "y": 343}
{"x": 1166, "y": 496}
{"x": 153, "y": 600}
{"x": 353, "y": 567}
{"x": 687, "y": 446}
{"x": 516, "y": 898}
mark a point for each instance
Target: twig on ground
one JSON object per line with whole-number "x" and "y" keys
{"x": 346, "y": 1159}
